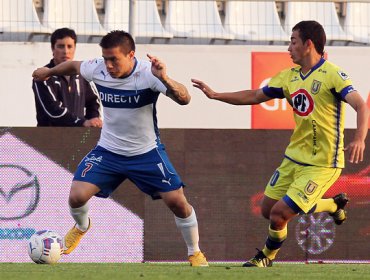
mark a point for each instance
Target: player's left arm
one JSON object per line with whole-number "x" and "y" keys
{"x": 175, "y": 90}
{"x": 357, "y": 146}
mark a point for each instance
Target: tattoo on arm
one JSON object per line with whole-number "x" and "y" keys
{"x": 177, "y": 91}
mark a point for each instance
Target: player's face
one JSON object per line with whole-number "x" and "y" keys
{"x": 118, "y": 64}
{"x": 297, "y": 49}
{"x": 64, "y": 49}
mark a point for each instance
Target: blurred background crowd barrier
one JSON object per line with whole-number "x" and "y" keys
{"x": 225, "y": 172}
{"x": 225, "y": 154}
{"x": 185, "y": 21}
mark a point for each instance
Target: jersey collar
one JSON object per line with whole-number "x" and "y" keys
{"x": 132, "y": 71}
{"x": 321, "y": 62}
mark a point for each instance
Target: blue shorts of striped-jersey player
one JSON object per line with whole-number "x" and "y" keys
{"x": 151, "y": 172}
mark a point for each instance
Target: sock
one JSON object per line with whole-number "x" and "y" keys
{"x": 189, "y": 230}
{"x": 80, "y": 215}
{"x": 326, "y": 205}
{"x": 274, "y": 241}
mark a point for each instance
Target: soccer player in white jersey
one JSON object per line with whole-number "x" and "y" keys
{"x": 317, "y": 90}
{"x": 129, "y": 146}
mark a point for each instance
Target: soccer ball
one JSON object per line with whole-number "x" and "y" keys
{"x": 45, "y": 247}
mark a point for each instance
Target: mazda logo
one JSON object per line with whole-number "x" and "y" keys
{"x": 19, "y": 192}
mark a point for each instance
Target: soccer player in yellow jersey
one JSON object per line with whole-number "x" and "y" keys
{"x": 317, "y": 90}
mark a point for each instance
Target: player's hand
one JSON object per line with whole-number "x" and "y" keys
{"x": 356, "y": 151}
{"x": 204, "y": 87}
{"x": 158, "y": 67}
{"x": 41, "y": 74}
{"x": 94, "y": 122}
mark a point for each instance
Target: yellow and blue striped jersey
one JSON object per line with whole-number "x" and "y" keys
{"x": 317, "y": 101}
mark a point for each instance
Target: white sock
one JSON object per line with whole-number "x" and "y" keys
{"x": 80, "y": 215}
{"x": 189, "y": 231}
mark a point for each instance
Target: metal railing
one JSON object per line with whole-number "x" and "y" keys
{"x": 183, "y": 22}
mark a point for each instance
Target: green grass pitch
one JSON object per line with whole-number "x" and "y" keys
{"x": 149, "y": 271}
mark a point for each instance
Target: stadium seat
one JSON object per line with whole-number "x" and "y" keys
{"x": 254, "y": 21}
{"x": 147, "y": 23}
{"x": 20, "y": 16}
{"x": 357, "y": 21}
{"x": 195, "y": 19}
{"x": 323, "y": 12}
{"x": 79, "y": 15}
{"x": 117, "y": 15}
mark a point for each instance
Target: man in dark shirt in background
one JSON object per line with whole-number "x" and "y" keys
{"x": 65, "y": 100}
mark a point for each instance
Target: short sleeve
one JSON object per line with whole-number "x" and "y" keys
{"x": 158, "y": 85}
{"x": 275, "y": 87}
{"x": 88, "y": 67}
{"x": 342, "y": 83}
{"x": 155, "y": 84}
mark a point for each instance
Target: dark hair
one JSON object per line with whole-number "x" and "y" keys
{"x": 312, "y": 30}
{"x": 118, "y": 38}
{"x": 61, "y": 33}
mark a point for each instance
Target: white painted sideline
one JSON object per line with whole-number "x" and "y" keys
{"x": 225, "y": 68}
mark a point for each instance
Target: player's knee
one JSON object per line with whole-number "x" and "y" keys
{"x": 277, "y": 219}
{"x": 177, "y": 206}
{"x": 265, "y": 213}
{"x": 77, "y": 198}
{"x": 266, "y": 210}
{"x": 180, "y": 208}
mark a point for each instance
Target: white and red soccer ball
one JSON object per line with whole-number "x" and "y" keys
{"x": 45, "y": 247}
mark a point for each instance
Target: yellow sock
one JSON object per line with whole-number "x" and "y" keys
{"x": 326, "y": 205}
{"x": 274, "y": 241}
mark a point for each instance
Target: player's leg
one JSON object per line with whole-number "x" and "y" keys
{"x": 339, "y": 215}
{"x": 308, "y": 185}
{"x": 186, "y": 222}
{"x": 266, "y": 206}
{"x": 95, "y": 175}
{"x": 80, "y": 194}
{"x": 155, "y": 175}
{"x": 280, "y": 215}
{"x": 274, "y": 209}
{"x": 335, "y": 205}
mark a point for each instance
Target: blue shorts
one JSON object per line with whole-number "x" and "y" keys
{"x": 151, "y": 172}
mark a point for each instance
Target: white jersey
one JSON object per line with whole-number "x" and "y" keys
{"x": 130, "y": 121}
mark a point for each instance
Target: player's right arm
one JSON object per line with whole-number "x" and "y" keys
{"x": 356, "y": 147}
{"x": 243, "y": 97}
{"x": 66, "y": 68}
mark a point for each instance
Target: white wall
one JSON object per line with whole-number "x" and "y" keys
{"x": 225, "y": 68}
